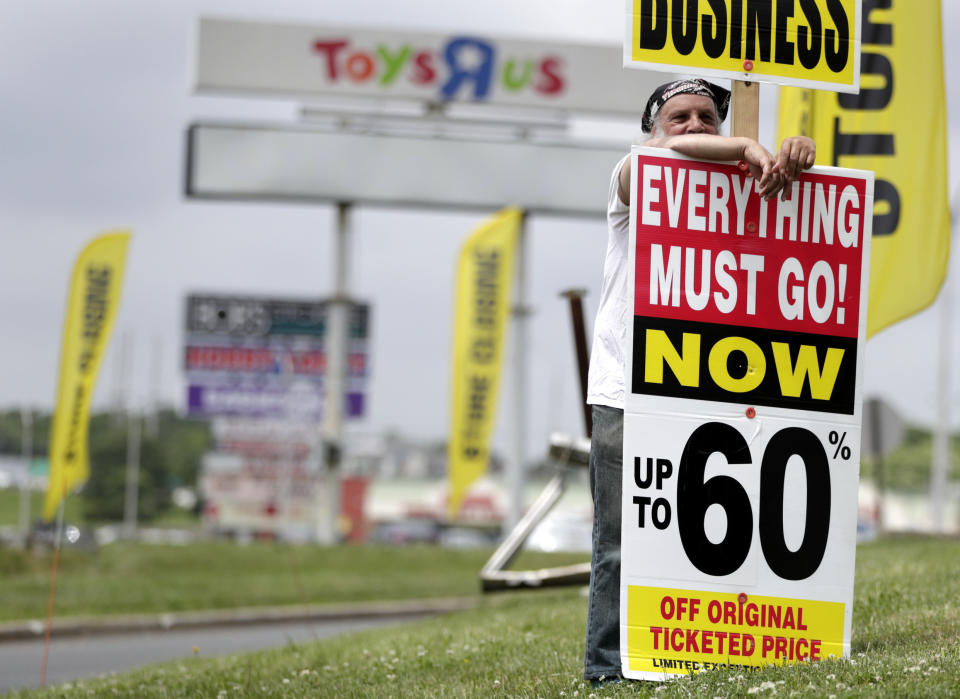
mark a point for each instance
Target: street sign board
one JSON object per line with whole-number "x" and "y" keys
{"x": 260, "y": 493}
{"x": 814, "y": 44}
{"x": 742, "y": 424}
{"x": 260, "y": 357}
{"x": 297, "y": 61}
{"x": 227, "y": 162}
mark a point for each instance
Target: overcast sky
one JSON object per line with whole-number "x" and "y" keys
{"x": 95, "y": 99}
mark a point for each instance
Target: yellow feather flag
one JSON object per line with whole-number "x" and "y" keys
{"x": 91, "y": 307}
{"x": 484, "y": 273}
{"x": 895, "y": 126}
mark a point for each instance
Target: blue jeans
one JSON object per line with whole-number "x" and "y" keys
{"x": 601, "y": 656}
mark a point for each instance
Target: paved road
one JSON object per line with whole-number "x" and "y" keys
{"x": 89, "y": 656}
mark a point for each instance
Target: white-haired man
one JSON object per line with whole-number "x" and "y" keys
{"x": 684, "y": 116}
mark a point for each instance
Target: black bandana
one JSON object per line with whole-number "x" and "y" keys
{"x": 691, "y": 86}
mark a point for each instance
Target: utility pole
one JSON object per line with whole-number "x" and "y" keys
{"x": 26, "y": 430}
{"x": 134, "y": 426}
{"x": 940, "y": 466}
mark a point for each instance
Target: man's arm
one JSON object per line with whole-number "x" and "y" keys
{"x": 796, "y": 154}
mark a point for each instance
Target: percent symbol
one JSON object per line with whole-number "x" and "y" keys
{"x": 842, "y": 450}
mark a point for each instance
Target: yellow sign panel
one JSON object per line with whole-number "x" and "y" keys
{"x": 806, "y": 43}
{"x": 682, "y": 631}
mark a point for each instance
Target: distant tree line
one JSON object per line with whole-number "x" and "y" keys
{"x": 170, "y": 457}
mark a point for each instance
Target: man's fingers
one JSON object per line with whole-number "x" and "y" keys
{"x": 771, "y": 182}
{"x": 794, "y": 159}
{"x": 796, "y": 155}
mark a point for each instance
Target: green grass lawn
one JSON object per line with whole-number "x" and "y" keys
{"x": 906, "y": 643}
{"x": 10, "y": 507}
{"x": 130, "y": 579}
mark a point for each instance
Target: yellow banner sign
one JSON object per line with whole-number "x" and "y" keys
{"x": 682, "y": 631}
{"x": 483, "y": 297}
{"x": 92, "y": 305}
{"x": 896, "y": 127}
{"x": 805, "y": 43}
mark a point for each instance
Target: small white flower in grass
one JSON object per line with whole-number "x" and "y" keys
{"x": 449, "y": 651}
{"x": 914, "y": 668}
{"x": 831, "y": 676}
{"x": 286, "y": 680}
{"x": 366, "y": 652}
{"x": 222, "y": 694}
{"x": 762, "y": 688}
{"x": 391, "y": 677}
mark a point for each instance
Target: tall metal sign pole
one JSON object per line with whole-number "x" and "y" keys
{"x": 516, "y": 466}
{"x": 336, "y": 370}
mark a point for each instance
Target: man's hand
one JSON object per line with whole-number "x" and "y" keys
{"x": 797, "y": 154}
{"x": 763, "y": 168}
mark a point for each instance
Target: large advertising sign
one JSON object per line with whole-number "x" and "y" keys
{"x": 260, "y": 490}
{"x": 226, "y": 162}
{"x": 266, "y": 358}
{"x": 807, "y": 43}
{"x": 742, "y": 424}
{"x": 301, "y": 61}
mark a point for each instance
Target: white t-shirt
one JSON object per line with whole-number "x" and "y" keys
{"x": 605, "y": 382}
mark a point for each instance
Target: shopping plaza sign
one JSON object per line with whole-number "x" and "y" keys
{"x": 301, "y": 61}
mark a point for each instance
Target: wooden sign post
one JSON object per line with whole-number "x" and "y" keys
{"x": 745, "y": 119}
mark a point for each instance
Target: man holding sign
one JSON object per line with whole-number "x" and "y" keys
{"x": 683, "y": 116}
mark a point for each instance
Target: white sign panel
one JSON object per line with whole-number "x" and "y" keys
{"x": 742, "y": 425}
{"x": 303, "y": 61}
{"x": 312, "y": 164}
